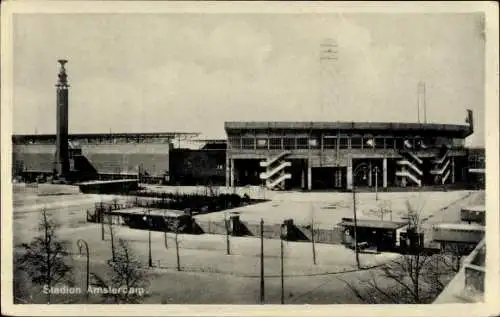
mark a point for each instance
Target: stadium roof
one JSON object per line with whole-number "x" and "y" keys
{"x": 211, "y": 141}
{"x": 441, "y": 129}
{"x": 475, "y": 208}
{"x": 151, "y": 135}
{"x": 152, "y": 211}
{"x": 459, "y": 226}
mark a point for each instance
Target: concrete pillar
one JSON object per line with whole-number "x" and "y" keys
{"x": 339, "y": 178}
{"x": 349, "y": 174}
{"x": 384, "y": 172}
{"x": 303, "y": 179}
{"x": 309, "y": 175}
{"x": 62, "y": 148}
{"x": 452, "y": 170}
{"x": 228, "y": 171}
{"x": 232, "y": 173}
{"x": 370, "y": 173}
{"x": 282, "y": 185}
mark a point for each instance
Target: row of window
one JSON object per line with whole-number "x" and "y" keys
{"x": 354, "y": 142}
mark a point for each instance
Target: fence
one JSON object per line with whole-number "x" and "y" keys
{"x": 273, "y": 231}
{"x": 474, "y": 268}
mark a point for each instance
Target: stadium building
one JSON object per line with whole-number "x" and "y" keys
{"x": 278, "y": 155}
{"x": 321, "y": 155}
{"x": 97, "y": 156}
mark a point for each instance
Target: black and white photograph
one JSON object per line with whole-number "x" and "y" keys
{"x": 265, "y": 154}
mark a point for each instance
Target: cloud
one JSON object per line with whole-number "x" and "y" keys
{"x": 193, "y": 72}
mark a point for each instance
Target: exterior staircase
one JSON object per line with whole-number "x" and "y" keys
{"x": 275, "y": 175}
{"x": 441, "y": 170}
{"x": 410, "y": 167}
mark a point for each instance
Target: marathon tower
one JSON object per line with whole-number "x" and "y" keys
{"x": 62, "y": 151}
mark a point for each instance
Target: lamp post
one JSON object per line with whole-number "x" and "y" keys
{"x": 283, "y": 235}
{"x": 360, "y": 168}
{"x": 375, "y": 170}
{"x": 262, "y": 261}
{"x": 148, "y": 219}
{"x": 101, "y": 213}
{"x": 82, "y": 243}
{"x": 227, "y": 221}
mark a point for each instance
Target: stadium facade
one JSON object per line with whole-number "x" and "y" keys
{"x": 320, "y": 155}
{"x": 278, "y": 155}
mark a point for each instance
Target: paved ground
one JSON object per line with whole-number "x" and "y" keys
{"x": 330, "y": 208}
{"x": 231, "y": 279}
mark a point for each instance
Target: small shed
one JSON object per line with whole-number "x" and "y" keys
{"x": 381, "y": 234}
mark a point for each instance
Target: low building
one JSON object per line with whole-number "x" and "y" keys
{"x": 384, "y": 235}
{"x": 202, "y": 166}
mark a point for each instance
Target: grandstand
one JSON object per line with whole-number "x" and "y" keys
{"x": 98, "y": 156}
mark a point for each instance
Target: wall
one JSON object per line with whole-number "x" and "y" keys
{"x": 192, "y": 167}
{"x": 148, "y": 158}
{"x": 474, "y": 266}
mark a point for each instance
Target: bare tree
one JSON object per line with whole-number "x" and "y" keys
{"x": 416, "y": 277}
{"x": 111, "y": 233}
{"x": 383, "y": 208}
{"x": 165, "y": 232}
{"x": 44, "y": 258}
{"x": 453, "y": 254}
{"x": 177, "y": 227}
{"x": 411, "y": 279}
{"x": 127, "y": 281}
{"x": 313, "y": 232}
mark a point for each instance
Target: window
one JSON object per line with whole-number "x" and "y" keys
{"x": 429, "y": 141}
{"x": 248, "y": 143}
{"x": 399, "y": 142}
{"x": 329, "y": 142}
{"x": 302, "y": 143}
{"x": 275, "y": 143}
{"x": 343, "y": 142}
{"x": 289, "y": 143}
{"x": 235, "y": 142}
{"x": 356, "y": 142}
{"x": 262, "y": 143}
{"x": 458, "y": 143}
{"x": 389, "y": 142}
{"x": 313, "y": 143}
{"x": 379, "y": 143}
{"x": 409, "y": 142}
{"x": 368, "y": 142}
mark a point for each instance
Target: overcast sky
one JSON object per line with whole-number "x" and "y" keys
{"x": 192, "y": 72}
